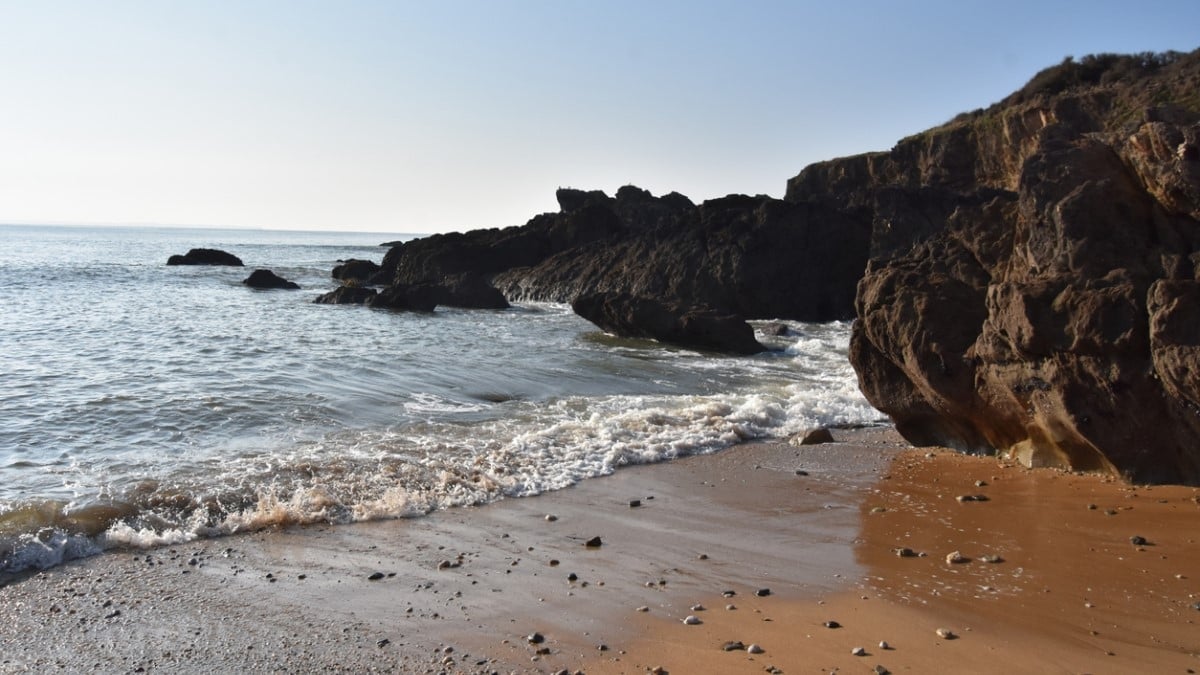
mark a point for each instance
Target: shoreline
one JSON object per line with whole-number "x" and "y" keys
{"x": 461, "y": 590}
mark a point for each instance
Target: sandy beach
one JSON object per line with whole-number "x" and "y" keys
{"x": 764, "y": 544}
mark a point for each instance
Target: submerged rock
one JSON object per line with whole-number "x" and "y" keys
{"x": 687, "y": 326}
{"x": 205, "y": 256}
{"x": 266, "y": 279}
{"x": 347, "y": 295}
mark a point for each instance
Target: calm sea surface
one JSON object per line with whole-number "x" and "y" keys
{"x": 142, "y": 404}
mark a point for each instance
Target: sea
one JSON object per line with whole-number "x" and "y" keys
{"x": 145, "y": 405}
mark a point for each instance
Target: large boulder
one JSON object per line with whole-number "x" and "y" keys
{"x": 1033, "y": 288}
{"x": 702, "y": 328}
{"x": 205, "y": 256}
{"x": 266, "y": 279}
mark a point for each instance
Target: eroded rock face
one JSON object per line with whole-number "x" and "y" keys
{"x": 205, "y": 256}
{"x": 1033, "y": 287}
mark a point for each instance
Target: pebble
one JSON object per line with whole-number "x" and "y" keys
{"x": 536, "y": 638}
{"x": 905, "y": 552}
{"x": 658, "y": 670}
{"x": 955, "y": 558}
{"x": 376, "y": 576}
{"x": 755, "y": 649}
{"x": 553, "y": 562}
{"x": 884, "y": 645}
{"x": 692, "y": 620}
{"x": 880, "y": 670}
{"x": 550, "y": 517}
{"x": 981, "y": 483}
{"x": 946, "y": 634}
{"x": 643, "y": 608}
{"x": 730, "y": 607}
{"x": 763, "y": 592}
{"x": 858, "y": 651}
{"x": 1137, "y": 540}
{"x": 991, "y": 558}
{"x": 572, "y": 577}
{"x": 594, "y": 542}
{"x": 832, "y": 624}
{"x": 382, "y": 643}
{"x": 634, "y": 503}
{"x": 697, "y": 608}
{"x": 728, "y": 594}
{"x": 702, "y": 556}
{"x": 801, "y": 472}
{"x": 734, "y": 646}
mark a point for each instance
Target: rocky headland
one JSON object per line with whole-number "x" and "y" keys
{"x": 1032, "y": 286}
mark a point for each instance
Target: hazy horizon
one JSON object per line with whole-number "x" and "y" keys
{"x": 399, "y": 117}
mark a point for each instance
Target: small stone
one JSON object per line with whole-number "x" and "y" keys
{"x": 634, "y": 503}
{"x": 965, "y": 498}
{"x": 602, "y": 647}
{"x": 1137, "y": 540}
{"x": 535, "y": 638}
{"x": 878, "y": 509}
{"x": 832, "y": 624}
{"x": 594, "y": 542}
{"x": 697, "y": 608}
{"x": 880, "y": 670}
{"x": 755, "y": 649}
{"x": 905, "y": 552}
{"x": 1092, "y": 507}
{"x": 730, "y": 607}
{"x": 991, "y": 558}
{"x": 884, "y": 645}
{"x": 692, "y": 620}
{"x": 553, "y": 562}
{"x": 658, "y": 670}
{"x": 376, "y": 576}
{"x": 643, "y": 608}
{"x": 702, "y": 556}
{"x": 763, "y": 592}
{"x": 728, "y": 594}
{"x": 572, "y": 577}
{"x": 981, "y": 483}
{"x": 734, "y": 646}
{"x": 1196, "y": 606}
{"x": 956, "y": 558}
{"x": 382, "y": 643}
{"x": 858, "y": 651}
{"x": 946, "y": 634}
{"x": 550, "y": 517}
{"x": 801, "y": 472}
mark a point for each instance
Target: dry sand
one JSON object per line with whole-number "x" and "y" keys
{"x": 1073, "y": 594}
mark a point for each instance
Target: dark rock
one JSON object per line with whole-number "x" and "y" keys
{"x": 205, "y": 256}
{"x": 1033, "y": 288}
{"x": 697, "y": 327}
{"x": 763, "y": 592}
{"x": 375, "y": 576}
{"x": 816, "y": 436}
{"x": 733, "y": 646}
{"x": 347, "y": 295}
{"x": 594, "y": 542}
{"x": 634, "y": 503}
{"x": 353, "y": 271}
{"x": 832, "y": 624}
{"x": 536, "y": 638}
{"x": 400, "y": 298}
{"x": 1138, "y": 540}
{"x": 266, "y": 279}
{"x": 775, "y": 329}
{"x": 469, "y": 290}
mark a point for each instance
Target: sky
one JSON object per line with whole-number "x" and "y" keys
{"x": 451, "y": 115}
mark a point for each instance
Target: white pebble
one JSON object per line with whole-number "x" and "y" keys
{"x": 884, "y": 645}
{"x": 858, "y": 651}
{"x": 755, "y": 649}
{"x": 692, "y": 620}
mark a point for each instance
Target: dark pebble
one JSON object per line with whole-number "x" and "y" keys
{"x": 1137, "y": 540}
{"x": 733, "y": 646}
{"x": 375, "y": 576}
{"x": 634, "y": 503}
{"x": 801, "y": 472}
{"x": 382, "y": 643}
{"x": 832, "y": 624}
{"x": 572, "y": 577}
{"x": 763, "y": 592}
{"x": 594, "y": 542}
{"x": 536, "y": 639}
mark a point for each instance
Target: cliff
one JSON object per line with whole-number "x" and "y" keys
{"x": 1033, "y": 285}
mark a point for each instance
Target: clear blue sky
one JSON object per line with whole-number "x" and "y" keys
{"x": 451, "y": 115}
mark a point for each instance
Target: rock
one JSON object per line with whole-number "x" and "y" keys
{"x": 763, "y": 592}
{"x": 1063, "y": 232}
{"x": 594, "y": 542}
{"x": 347, "y": 295}
{"x": 905, "y": 552}
{"x": 734, "y": 646}
{"x": 832, "y": 624}
{"x": 755, "y": 649}
{"x": 205, "y": 256}
{"x": 266, "y": 279}
{"x": 356, "y": 272}
{"x": 991, "y": 558}
{"x": 535, "y": 638}
{"x": 375, "y": 576}
{"x": 946, "y": 634}
{"x": 634, "y": 503}
{"x": 692, "y": 620}
{"x": 956, "y": 558}
{"x": 675, "y": 323}
{"x": 469, "y": 290}
{"x": 697, "y": 608}
{"x": 550, "y": 517}
{"x": 816, "y": 436}
{"x": 1137, "y": 540}
{"x": 858, "y": 651}
{"x": 400, "y": 298}
{"x": 572, "y": 577}
{"x": 774, "y": 329}
{"x": 880, "y": 670}
{"x": 884, "y": 645}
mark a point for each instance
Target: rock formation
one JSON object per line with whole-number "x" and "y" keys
{"x": 686, "y": 325}
{"x": 205, "y": 256}
{"x": 266, "y": 279}
{"x": 347, "y": 295}
{"x": 360, "y": 272}
{"x": 1033, "y": 287}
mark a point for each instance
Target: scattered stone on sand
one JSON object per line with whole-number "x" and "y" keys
{"x": 702, "y": 556}
{"x": 880, "y": 670}
{"x": 535, "y": 638}
{"x": 643, "y": 608}
{"x": 572, "y": 577}
{"x": 946, "y": 634}
{"x": 763, "y": 592}
{"x": 634, "y": 503}
{"x": 697, "y": 608}
{"x": 884, "y": 645}
{"x": 991, "y": 558}
{"x": 1196, "y": 606}
{"x": 1092, "y": 507}
{"x": 956, "y": 558}
{"x": 658, "y": 670}
{"x": 801, "y": 472}
{"x": 816, "y": 436}
{"x": 755, "y": 649}
{"x": 383, "y": 642}
{"x": 972, "y": 498}
{"x": 692, "y": 620}
{"x": 375, "y": 576}
{"x": 878, "y": 509}
{"x": 905, "y": 552}
{"x": 1138, "y": 540}
{"x": 730, "y": 607}
{"x": 733, "y": 646}
{"x": 553, "y": 562}
{"x": 550, "y": 517}
{"x": 728, "y": 594}
{"x": 858, "y": 651}
{"x": 832, "y": 624}
{"x": 594, "y": 542}
{"x": 981, "y": 483}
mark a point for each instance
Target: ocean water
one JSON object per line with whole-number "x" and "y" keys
{"x": 144, "y": 405}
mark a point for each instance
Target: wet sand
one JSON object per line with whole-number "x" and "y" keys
{"x": 463, "y": 590}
